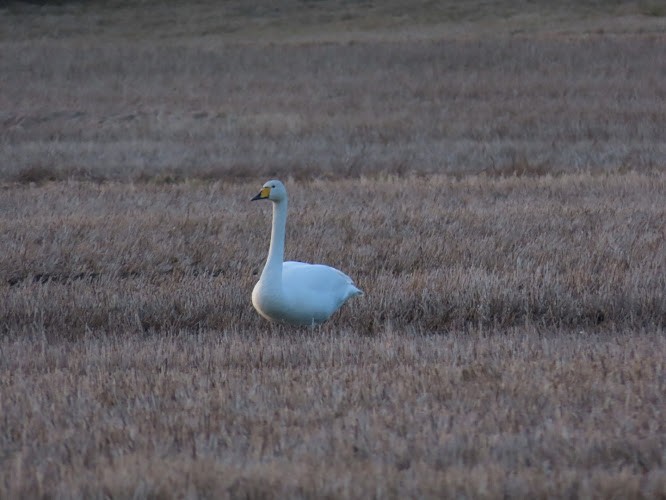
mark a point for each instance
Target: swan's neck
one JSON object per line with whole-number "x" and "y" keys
{"x": 273, "y": 269}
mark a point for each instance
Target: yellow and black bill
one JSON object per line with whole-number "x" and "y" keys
{"x": 263, "y": 194}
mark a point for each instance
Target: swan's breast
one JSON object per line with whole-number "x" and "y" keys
{"x": 296, "y": 306}
{"x": 267, "y": 301}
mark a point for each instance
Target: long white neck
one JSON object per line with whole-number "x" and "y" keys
{"x": 273, "y": 268}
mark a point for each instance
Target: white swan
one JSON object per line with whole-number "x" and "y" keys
{"x": 295, "y": 292}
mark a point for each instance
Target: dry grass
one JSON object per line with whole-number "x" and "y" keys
{"x": 511, "y": 341}
{"x": 256, "y": 415}
{"x": 111, "y": 106}
{"x": 499, "y": 197}
{"x": 435, "y": 254}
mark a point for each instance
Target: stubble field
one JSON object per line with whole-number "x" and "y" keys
{"x": 497, "y": 191}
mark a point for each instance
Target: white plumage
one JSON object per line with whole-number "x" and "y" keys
{"x": 295, "y": 292}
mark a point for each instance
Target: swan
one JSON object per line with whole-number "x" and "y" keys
{"x": 295, "y": 292}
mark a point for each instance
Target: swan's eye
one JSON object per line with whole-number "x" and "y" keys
{"x": 273, "y": 186}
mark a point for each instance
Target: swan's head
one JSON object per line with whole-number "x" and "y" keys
{"x": 273, "y": 190}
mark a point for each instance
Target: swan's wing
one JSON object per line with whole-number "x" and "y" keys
{"x": 310, "y": 294}
{"x": 316, "y": 289}
{"x": 318, "y": 278}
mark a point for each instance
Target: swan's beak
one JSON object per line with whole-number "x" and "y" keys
{"x": 263, "y": 194}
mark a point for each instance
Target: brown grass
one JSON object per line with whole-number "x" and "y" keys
{"x": 493, "y": 178}
{"x": 247, "y": 414}
{"x": 105, "y": 105}
{"x": 435, "y": 254}
{"x": 545, "y": 378}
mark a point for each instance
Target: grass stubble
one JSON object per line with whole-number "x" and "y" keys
{"x": 502, "y": 210}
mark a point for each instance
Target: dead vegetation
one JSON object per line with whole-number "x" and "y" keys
{"x": 240, "y": 414}
{"x": 178, "y": 103}
{"x": 436, "y": 253}
{"x": 511, "y": 341}
{"x": 493, "y": 179}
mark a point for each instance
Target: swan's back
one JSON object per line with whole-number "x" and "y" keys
{"x": 318, "y": 278}
{"x": 314, "y": 292}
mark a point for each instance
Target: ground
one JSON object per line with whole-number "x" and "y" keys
{"x": 491, "y": 174}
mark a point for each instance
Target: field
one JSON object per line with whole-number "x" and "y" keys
{"x": 492, "y": 177}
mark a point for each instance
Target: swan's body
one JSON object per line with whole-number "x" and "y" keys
{"x": 295, "y": 292}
